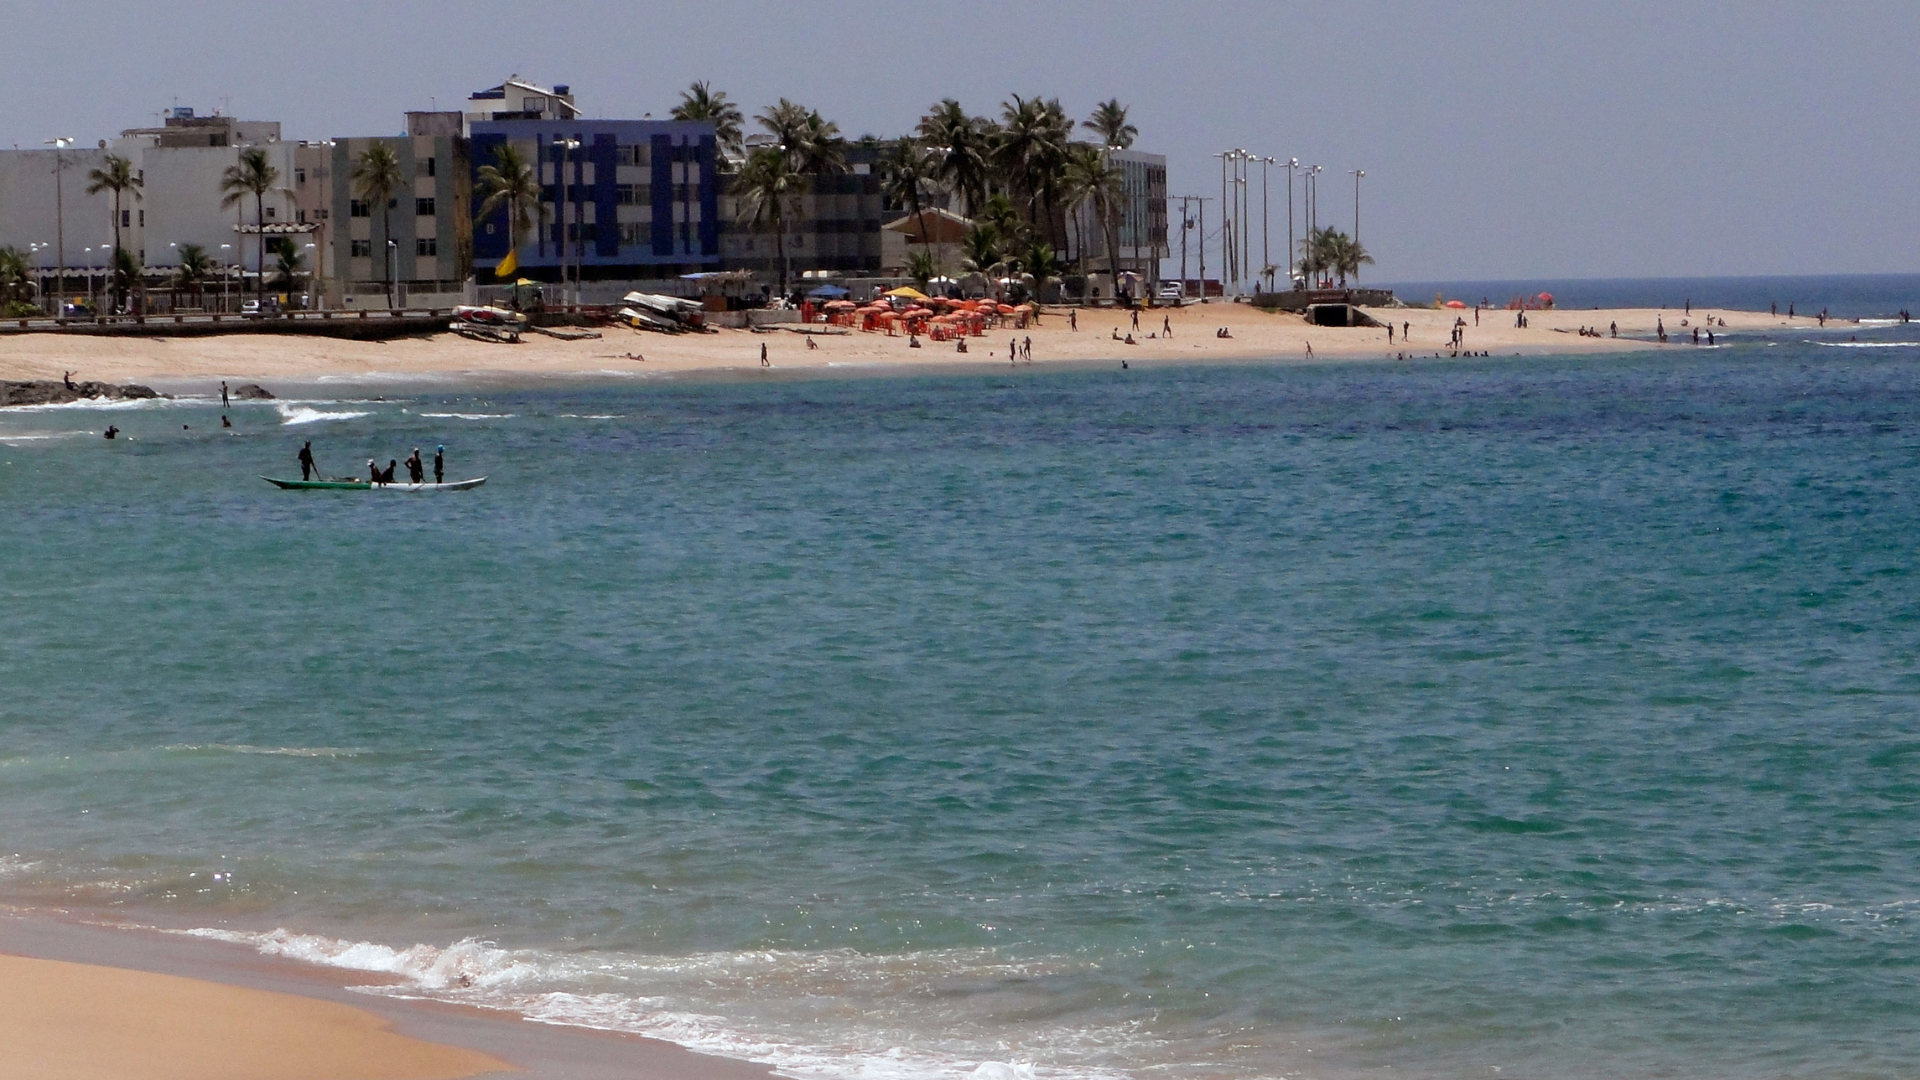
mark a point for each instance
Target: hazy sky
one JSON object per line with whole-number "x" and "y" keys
{"x": 1625, "y": 138}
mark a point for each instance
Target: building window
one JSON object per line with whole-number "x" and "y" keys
{"x": 299, "y": 176}
{"x": 270, "y": 211}
{"x": 216, "y": 140}
{"x": 423, "y": 207}
{"x": 126, "y": 218}
{"x": 143, "y": 219}
{"x": 632, "y": 155}
{"x": 426, "y": 245}
{"x": 633, "y": 232}
{"x": 357, "y": 208}
{"x": 363, "y": 249}
{"x": 575, "y": 232}
{"x": 628, "y": 194}
{"x": 426, "y": 167}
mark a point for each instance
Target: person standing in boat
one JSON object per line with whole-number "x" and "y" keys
{"x": 416, "y": 471}
{"x": 439, "y": 464}
{"x": 307, "y": 467}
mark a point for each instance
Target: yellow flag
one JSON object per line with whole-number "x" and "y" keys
{"x": 507, "y": 265}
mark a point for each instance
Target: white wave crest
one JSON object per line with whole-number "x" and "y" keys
{"x": 301, "y": 414}
{"x": 632, "y": 994}
{"x": 275, "y": 751}
{"x": 1866, "y": 344}
{"x": 469, "y": 415}
{"x": 50, "y": 436}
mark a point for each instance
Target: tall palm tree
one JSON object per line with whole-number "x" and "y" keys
{"x": 769, "y": 188}
{"x": 786, "y": 121}
{"x": 701, "y": 102}
{"x": 1316, "y": 254}
{"x": 906, "y": 177}
{"x": 1031, "y": 151}
{"x": 376, "y": 176}
{"x": 960, "y": 151}
{"x": 253, "y": 175}
{"x": 1093, "y": 180}
{"x": 116, "y": 174}
{"x": 1040, "y": 268}
{"x": 510, "y": 182}
{"x": 1110, "y": 120}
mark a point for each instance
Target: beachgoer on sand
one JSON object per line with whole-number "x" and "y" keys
{"x": 1166, "y": 326}
{"x": 812, "y": 344}
{"x": 763, "y": 355}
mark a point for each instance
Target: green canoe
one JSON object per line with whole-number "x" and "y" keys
{"x": 365, "y": 485}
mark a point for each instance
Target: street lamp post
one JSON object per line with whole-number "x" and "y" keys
{"x": 1293, "y": 166}
{"x": 60, "y": 218}
{"x": 569, "y": 191}
{"x": 226, "y": 275}
{"x": 1266, "y": 234}
{"x": 1358, "y": 175}
{"x": 1226, "y": 231}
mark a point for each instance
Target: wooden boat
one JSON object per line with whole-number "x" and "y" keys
{"x": 344, "y": 484}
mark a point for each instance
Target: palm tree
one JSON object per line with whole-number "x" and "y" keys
{"x": 16, "y": 282}
{"x": 123, "y": 273}
{"x": 510, "y": 182}
{"x": 959, "y": 146}
{"x": 286, "y": 263}
{"x": 702, "y": 102}
{"x": 116, "y": 175}
{"x": 1110, "y": 120}
{"x": 1316, "y": 254}
{"x": 196, "y": 266}
{"x": 787, "y": 123}
{"x": 1345, "y": 257}
{"x": 254, "y": 175}
{"x": 921, "y": 268}
{"x": 1040, "y": 268}
{"x": 1001, "y": 216}
{"x": 1092, "y": 179}
{"x": 906, "y": 178}
{"x": 980, "y": 250}
{"x": 769, "y": 188}
{"x": 376, "y": 176}
{"x": 822, "y": 150}
{"x": 1031, "y": 152}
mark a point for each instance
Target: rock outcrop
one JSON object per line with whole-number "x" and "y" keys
{"x": 50, "y": 392}
{"x": 252, "y": 392}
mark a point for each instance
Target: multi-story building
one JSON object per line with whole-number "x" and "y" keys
{"x": 178, "y": 203}
{"x": 419, "y": 245}
{"x": 1142, "y": 232}
{"x": 622, "y": 200}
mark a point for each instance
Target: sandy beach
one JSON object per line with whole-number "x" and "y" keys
{"x": 1255, "y": 335}
{"x": 82, "y": 1001}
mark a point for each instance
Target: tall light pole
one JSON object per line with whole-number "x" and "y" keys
{"x": 1203, "y": 249}
{"x": 1226, "y": 221}
{"x": 60, "y": 218}
{"x": 1358, "y": 175}
{"x": 1266, "y": 234}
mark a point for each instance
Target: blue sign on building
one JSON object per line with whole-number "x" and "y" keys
{"x": 637, "y": 198}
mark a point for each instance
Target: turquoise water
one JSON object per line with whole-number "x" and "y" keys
{"x": 1547, "y": 718}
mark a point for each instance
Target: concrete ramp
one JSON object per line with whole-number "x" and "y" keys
{"x": 1340, "y": 314}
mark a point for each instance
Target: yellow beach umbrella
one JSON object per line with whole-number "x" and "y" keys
{"x": 908, "y": 292}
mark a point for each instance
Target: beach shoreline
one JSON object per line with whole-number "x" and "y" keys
{"x": 1254, "y": 335}
{"x": 95, "y": 988}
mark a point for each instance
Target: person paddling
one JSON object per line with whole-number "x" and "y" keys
{"x": 307, "y": 467}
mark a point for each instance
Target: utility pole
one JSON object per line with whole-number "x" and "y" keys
{"x": 1293, "y": 166}
{"x": 1203, "y": 249}
{"x": 60, "y": 221}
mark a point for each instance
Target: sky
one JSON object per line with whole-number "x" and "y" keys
{"x": 1630, "y": 138}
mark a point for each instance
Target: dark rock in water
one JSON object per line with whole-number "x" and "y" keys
{"x": 252, "y": 392}
{"x": 49, "y": 392}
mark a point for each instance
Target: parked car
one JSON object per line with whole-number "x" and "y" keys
{"x": 1173, "y": 291}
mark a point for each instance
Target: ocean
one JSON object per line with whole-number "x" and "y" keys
{"x": 1546, "y": 717}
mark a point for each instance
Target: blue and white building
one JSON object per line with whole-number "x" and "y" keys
{"x": 635, "y": 199}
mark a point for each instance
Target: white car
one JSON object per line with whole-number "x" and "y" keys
{"x": 1172, "y": 290}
